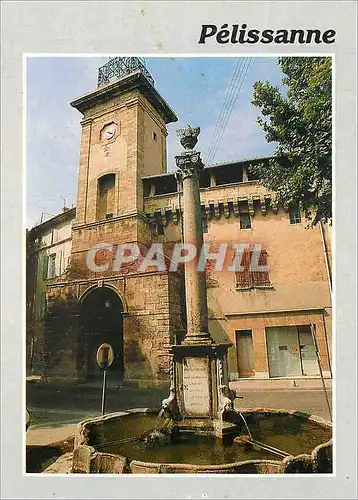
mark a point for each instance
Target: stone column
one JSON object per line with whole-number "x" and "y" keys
{"x": 199, "y": 396}
{"x": 189, "y": 167}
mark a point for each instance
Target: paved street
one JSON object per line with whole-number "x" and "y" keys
{"x": 55, "y": 410}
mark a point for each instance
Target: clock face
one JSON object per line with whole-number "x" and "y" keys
{"x": 109, "y": 131}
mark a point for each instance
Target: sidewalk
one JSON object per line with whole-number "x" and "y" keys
{"x": 252, "y": 384}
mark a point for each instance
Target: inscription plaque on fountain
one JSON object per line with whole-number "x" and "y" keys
{"x": 196, "y": 388}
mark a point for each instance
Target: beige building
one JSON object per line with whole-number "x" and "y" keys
{"x": 48, "y": 256}
{"x": 126, "y": 195}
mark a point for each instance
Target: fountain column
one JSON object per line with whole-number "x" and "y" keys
{"x": 199, "y": 393}
{"x": 189, "y": 167}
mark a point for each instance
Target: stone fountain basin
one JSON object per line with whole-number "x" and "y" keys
{"x": 92, "y": 433}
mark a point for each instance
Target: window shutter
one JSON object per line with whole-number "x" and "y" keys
{"x": 261, "y": 278}
{"x": 59, "y": 263}
{"x": 243, "y": 278}
{"x": 44, "y": 266}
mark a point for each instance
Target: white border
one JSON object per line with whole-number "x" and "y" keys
{"x": 98, "y": 26}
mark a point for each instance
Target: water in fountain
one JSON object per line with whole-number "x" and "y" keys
{"x": 160, "y": 435}
{"x": 278, "y": 432}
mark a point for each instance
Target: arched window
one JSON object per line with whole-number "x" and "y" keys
{"x": 105, "y": 196}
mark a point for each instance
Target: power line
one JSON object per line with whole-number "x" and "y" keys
{"x": 241, "y": 75}
{"x": 229, "y": 91}
{"x": 233, "y": 91}
{"x": 47, "y": 198}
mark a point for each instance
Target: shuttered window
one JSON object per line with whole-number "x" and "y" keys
{"x": 44, "y": 267}
{"x": 252, "y": 279}
{"x": 52, "y": 266}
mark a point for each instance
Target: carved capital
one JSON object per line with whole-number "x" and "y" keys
{"x": 189, "y": 165}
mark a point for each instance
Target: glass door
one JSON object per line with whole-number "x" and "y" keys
{"x": 283, "y": 352}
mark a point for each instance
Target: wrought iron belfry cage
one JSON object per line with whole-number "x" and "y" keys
{"x": 117, "y": 67}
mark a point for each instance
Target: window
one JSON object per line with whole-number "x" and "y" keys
{"x": 245, "y": 221}
{"x": 291, "y": 351}
{"x": 247, "y": 278}
{"x": 51, "y": 273}
{"x": 156, "y": 227}
{"x": 105, "y": 196}
{"x": 154, "y": 136}
{"x": 160, "y": 229}
{"x": 205, "y": 225}
{"x": 295, "y": 215}
{"x": 44, "y": 267}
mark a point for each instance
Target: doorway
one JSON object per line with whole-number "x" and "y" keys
{"x": 245, "y": 353}
{"x": 101, "y": 317}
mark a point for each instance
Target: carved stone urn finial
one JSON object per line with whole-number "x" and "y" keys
{"x": 188, "y": 136}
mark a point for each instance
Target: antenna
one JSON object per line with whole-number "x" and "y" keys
{"x": 64, "y": 204}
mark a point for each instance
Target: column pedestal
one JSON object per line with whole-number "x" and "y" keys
{"x": 199, "y": 393}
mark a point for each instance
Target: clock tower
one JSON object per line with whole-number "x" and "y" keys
{"x": 123, "y": 138}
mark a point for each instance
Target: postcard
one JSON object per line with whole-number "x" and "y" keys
{"x": 178, "y": 236}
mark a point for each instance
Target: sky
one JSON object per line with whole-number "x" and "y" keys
{"x": 194, "y": 87}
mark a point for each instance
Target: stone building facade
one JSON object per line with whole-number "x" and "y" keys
{"x": 48, "y": 252}
{"x": 126, "y": 196}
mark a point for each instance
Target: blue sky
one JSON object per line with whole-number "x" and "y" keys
{"x": 194, "y": 87}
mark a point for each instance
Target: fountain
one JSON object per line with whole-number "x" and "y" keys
{"x": 198, "y": 429}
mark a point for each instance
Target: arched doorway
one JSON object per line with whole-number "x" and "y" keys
{"x": 101, "y": 316}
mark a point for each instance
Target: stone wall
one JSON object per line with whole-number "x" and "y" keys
{"x": 152, "y": 312}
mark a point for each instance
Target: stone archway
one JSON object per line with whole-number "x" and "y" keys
{"x": 101, "y": 319}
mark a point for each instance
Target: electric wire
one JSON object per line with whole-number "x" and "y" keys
{"x": 230, "y": 88}
{"x": 241, "y": 75}
{"x": 240, "y": 72}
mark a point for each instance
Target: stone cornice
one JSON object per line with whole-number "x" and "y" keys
{"x": 130, "y": 82}
{"x": 84, "y": 225}
{"x": 225, "y": 207}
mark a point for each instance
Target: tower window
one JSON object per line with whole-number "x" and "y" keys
{"x": 295, "y": 215}
{"x": 105, "y": 196}
{"x": 154, "y": 136}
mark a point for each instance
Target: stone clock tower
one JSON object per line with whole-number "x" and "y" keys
{"x": 123, "y": 139}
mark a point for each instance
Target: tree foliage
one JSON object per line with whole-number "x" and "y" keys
{"x": 300, "y": 122}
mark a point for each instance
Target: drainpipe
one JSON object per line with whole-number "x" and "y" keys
{"x": 328, "y": 269}
{"x": 329, "y": 276}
